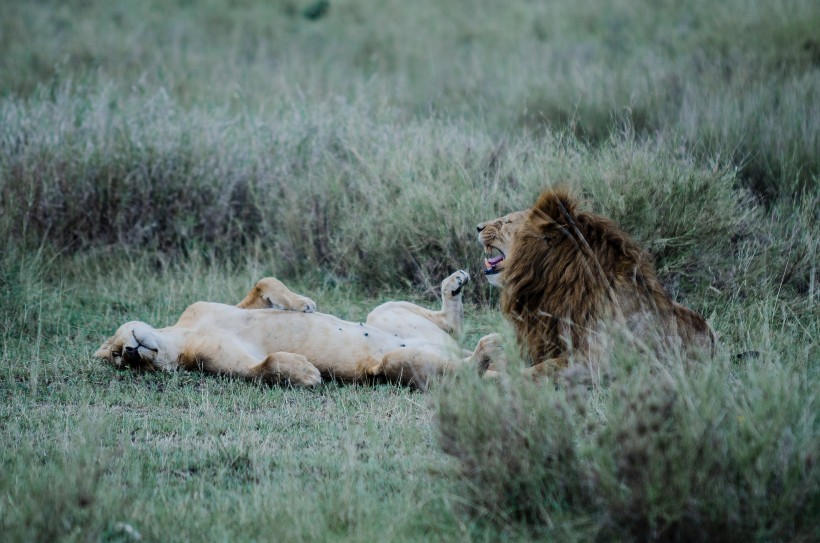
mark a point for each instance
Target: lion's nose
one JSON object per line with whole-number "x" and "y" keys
{"x": 131, "y": 355}
{"x": 480, "y": 227}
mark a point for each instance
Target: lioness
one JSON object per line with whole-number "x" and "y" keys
{"x": 570, "y": 279}
{"x": 276, "y": 336}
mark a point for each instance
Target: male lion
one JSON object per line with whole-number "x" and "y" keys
{"x": 276, "y": 336}
{"x": 571, "y": 279}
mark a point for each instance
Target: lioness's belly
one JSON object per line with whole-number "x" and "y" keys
{"x": 333, "y": 345}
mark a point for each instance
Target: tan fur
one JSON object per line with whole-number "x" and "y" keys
{"x": 572, "y": 278}
{"x": 272, "y": 293}
{"x": 276, "y": 336}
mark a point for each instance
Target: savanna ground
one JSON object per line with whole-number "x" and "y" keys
{"x": 157, "y": 153}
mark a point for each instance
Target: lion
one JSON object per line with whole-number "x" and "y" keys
{"x": 276, "y": 336}
{"x": 571, "y": 280}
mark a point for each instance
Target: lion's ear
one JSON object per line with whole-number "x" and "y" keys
{"x": 557, "y": 203}
{"x": 105, "y": 349}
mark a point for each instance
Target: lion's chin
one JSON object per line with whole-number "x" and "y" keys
{"x": 493, "y": 276}
{"x": 493, "y": 268}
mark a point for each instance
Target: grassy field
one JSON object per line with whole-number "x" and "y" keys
{"x": 157, "y": 153}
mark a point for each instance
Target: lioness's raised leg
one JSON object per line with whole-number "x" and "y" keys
{"x": 218, "y": 353}
{"x": 272, "y": 293}
{"x": 389, "y": 316}
{"x": 451, "y": 317}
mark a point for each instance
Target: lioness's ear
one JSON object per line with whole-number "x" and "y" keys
{"x": 105, "y": 349}
{"x": 557, "y": 203}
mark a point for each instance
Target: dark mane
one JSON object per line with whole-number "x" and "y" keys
{"x": 567, "y": 270}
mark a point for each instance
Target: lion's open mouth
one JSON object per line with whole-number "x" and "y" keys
{"x": 491, "y": 264}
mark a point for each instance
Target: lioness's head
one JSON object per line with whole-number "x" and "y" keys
{"x": 135, "y": 345}
{"x": 497, "y": 236}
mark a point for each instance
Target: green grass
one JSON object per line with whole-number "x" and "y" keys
{"x": 189, "y": 456}
{"x": 157, "y": 153}
{"x": 216, "y": 459}
{"x": 723, "y": 452}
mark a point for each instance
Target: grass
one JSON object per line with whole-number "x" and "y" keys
{"x": 157, "y": 153}
{"x": 90, "y": 449}
{"x": 163, "y": 178}
{"x": 662, "y": 453}
{"x": 222, "y": 461}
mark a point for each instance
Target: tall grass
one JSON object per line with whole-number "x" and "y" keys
{"x": 90, "y": 170}
{"x": 727, "y": 452}
{"x": 737, "y": 79}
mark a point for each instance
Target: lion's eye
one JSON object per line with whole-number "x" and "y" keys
{"x": 116, "y": 354}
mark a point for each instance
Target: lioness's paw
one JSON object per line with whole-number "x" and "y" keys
{"x": 490, "y": 349}
{"x": 306, "y": 306}
{"x": 293, "y": 369}
{"x": 452, "y": 285}
{"x": 306, "y": 376}
{"x": 300, "y": 304}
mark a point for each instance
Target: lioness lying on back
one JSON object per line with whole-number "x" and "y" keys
{"x": 276, "y": 336}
